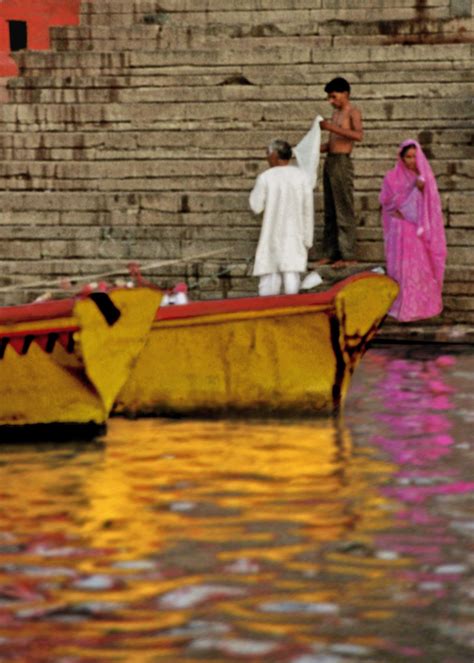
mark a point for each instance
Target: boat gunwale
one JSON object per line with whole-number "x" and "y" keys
{"x": 49, "y": 310}
{"x": 273, "y": 304}
{"x": 36, "y": 311}
{"x": 63, "y": 308}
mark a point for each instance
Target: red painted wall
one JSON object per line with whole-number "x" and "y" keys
{"x": 40, "y": 15}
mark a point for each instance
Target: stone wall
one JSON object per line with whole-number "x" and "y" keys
{"x": 138, "y": 138}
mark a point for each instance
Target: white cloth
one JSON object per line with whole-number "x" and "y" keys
{"x": 308, "y": 150}
{"x": 270, "y": 284}
{"x": 285, "y": 196}
{"x": 311, "y": 280}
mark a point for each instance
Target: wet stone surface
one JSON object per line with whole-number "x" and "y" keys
{"x": 300, "y": 542}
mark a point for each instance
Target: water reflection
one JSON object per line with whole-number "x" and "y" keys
{"x": 422, "y": 430}
{"x": 295, "y": 542}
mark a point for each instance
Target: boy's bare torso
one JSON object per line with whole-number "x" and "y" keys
{"x": 344, "y": 118}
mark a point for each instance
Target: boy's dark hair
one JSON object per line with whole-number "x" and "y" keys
{"x": 338, "y": 84}
{"x": 282, "y": 148}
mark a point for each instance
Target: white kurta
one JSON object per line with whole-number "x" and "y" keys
{"x": 285, "y": 196}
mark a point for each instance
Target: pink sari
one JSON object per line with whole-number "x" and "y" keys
{"x": 415, "y": 246}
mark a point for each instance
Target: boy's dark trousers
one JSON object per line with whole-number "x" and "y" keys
{"x": 339, "y": 221}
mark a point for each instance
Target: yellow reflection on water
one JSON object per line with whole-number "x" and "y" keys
{"x": 219, "y": 478}
{"x": 246, "y": 505}
{"x": 227, "y": 472}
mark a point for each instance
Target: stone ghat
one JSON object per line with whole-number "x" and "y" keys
{"x": 402, "y": 21}
{"x": 140, "y": 135}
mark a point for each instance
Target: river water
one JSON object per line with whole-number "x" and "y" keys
{"x": 295, "y": 541}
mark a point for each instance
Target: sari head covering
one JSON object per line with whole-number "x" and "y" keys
{"x": 415, "y": 245}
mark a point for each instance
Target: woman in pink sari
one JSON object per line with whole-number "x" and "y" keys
{"x": 415, "y": 244}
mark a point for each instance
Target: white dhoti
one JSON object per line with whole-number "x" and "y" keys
{"x": 270, "y": 284}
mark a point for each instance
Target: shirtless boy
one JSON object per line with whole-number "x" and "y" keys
{"x": 345, "y": 128}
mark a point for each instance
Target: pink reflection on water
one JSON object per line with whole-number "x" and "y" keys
{"x": 417, "y": 403}
{"x": 415, "y": 424}
{"x": 415, "y": 451}
{"x": 419, "y": 385}
{"x": 417, "y": 437}
{"x": 419, "y": 494}
{"x": 417, "y": 516}
{"x": 416, "y": 395}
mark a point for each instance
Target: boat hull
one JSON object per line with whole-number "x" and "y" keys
{"x": 64, "y": 362}
{"x": 284, "y": 355}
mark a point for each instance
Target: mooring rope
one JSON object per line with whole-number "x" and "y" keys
{"x": 56, "y": 283}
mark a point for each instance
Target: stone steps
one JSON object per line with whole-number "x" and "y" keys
{"x": 374, "y": 73}
{"x": 237, "y": 53}
{"x": 206, "y": 176}
{"x": 165, "y": 208}
{"x": 150, "y": 38}
{"x": 204, "y": 143}
{"x": 155, "y": 115}
{"x": 239, "y": 223}
{"x": 228, "y": 141}
{"x": 460, "y": 88}
{"x": 345, "y": 23}
{"x": 237, "y": 14}
{"x": 306, "y": 74}
{"x": 140, "y": 135}
{"x": 364, "y": 65}
{"x": 134, "y": 7}
{"x": 279, "y": 23}
{"x": 50, "y": 243}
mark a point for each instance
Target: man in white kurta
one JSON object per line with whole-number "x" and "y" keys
{"x": 284, "y": 194}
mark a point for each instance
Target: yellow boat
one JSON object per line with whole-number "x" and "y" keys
{"x": 63, "y": 362}
{"x": 291, "y": 354}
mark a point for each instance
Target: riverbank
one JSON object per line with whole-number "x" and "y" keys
{"x": 417, "y": 332}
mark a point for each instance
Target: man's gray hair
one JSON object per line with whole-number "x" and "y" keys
{"x": 282, "y": 148}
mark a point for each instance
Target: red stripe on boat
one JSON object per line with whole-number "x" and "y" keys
{"x": 61, "y": 308}
{"x": 218, "y": 306}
